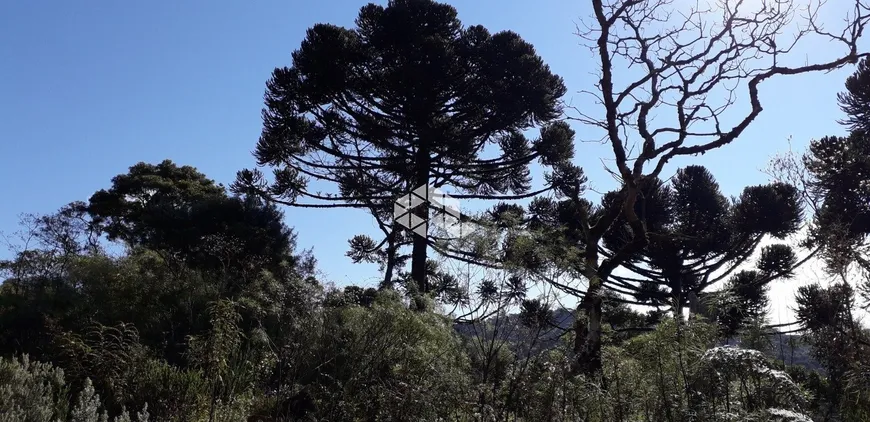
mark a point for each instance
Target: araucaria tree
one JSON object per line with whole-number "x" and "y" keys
{"x": 668, "y": 71}
{"x": 697, "y": 238}
{"x": 834, "y": 177}
{"x": 408, "y": 98}
{"x": 838, "y": 178}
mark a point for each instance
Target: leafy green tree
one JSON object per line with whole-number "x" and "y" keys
{"x": 142, "y": 205}
{"x": 743, "y": 301}
{"x": 351, "y": 295}
{"x": 35, "y": 296}
{"x": 408, "y": 98}
{"x": 189, "y": 244}
{"x": 180, "y": 212}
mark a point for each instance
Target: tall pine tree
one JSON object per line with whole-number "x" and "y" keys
{"x": 408, "y": 98}
{"x": 699, "y": 238}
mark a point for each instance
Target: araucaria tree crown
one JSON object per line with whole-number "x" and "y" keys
{"x": 408, "y": 98}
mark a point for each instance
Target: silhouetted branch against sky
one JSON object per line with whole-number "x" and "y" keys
{"x": 669, "y": 77}
{"x": 671, "y": 71}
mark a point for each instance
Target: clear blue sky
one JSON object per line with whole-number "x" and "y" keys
{"x": 89, "y": 88}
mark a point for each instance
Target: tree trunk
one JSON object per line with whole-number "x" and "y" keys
{"x": 391, "y": 258}
{"x": 420, "y": 245}
{"x": 587, "y": 327}
{"x": 418, "y": 259}
{"x": 587, "y": 330}
{"x": 678, "y": 300}
{"x": 587, "y": 341}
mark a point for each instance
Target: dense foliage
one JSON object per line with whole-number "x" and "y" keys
{"x": 180, "y": 330}
{"x": 168, "y": 297}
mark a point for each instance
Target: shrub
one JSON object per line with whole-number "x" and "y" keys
{"x": 31, "y": 391}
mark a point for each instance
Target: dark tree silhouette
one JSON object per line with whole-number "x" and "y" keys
{"x": 697, "y": 238}
{"x": 834, "y": 176}
{"x": 139, "y": 203}
{"x": 837, "y": 340}
{"x": 188, "y": 217}
{"x": 681, "y": 77}
{"x": 839, "y": 169}
{"x": 408, "y": 98}
{"x": 855, "y": 102}
{"x": 742, "y": 301}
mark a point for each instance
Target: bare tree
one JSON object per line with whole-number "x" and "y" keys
{"x": 669, "y": 82}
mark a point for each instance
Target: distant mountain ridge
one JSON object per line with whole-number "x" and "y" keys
{"x": 781, "y": 345}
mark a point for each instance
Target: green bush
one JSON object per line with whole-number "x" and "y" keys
{"x": 32, "y": 391}
{"x": 171, "y": 393}
{"x": 37, "y": 392}
{"x": 376, "y": 363}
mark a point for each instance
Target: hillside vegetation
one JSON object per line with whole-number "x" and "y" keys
{"x": 167, "y": 296}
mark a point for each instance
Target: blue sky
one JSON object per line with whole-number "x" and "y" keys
{"x": 89, "y": 88}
